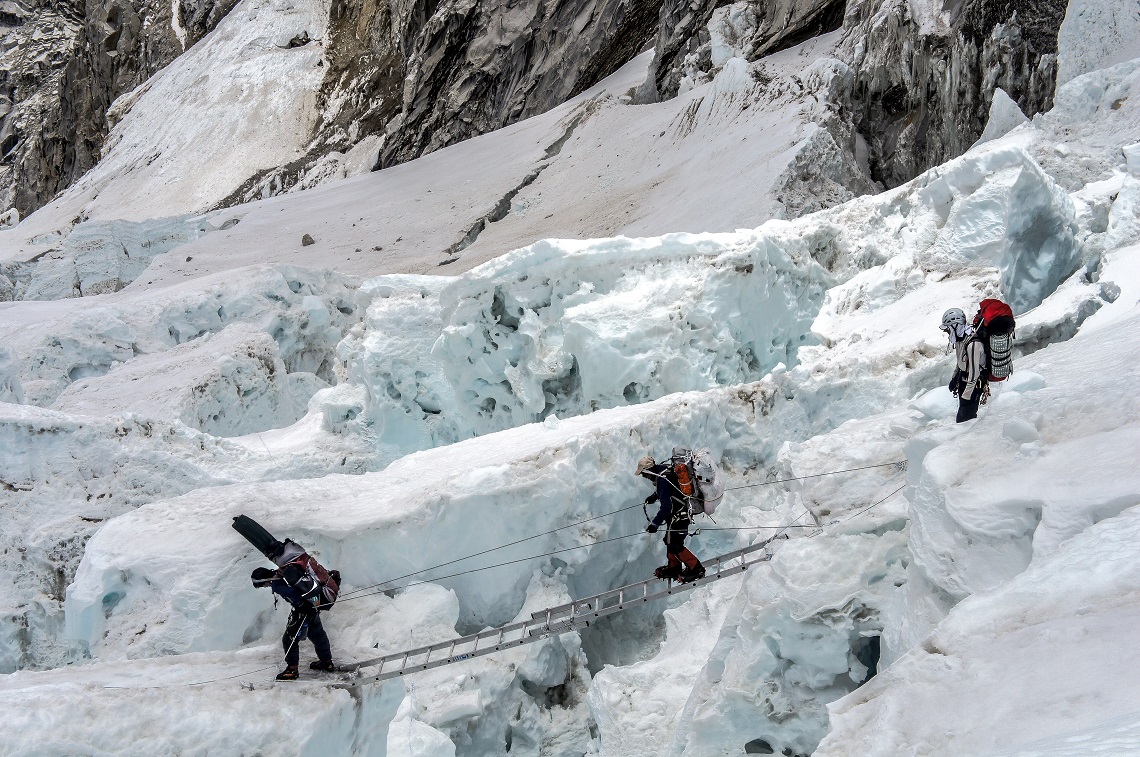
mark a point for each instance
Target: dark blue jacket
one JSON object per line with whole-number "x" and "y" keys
{"x": 290, "y": 595}
{"x": 668, "y": 494}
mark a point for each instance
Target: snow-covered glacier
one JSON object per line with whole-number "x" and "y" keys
{"x": 942, "y": 589}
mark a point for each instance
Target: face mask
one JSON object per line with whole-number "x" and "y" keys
{"x": 958, "y": 331}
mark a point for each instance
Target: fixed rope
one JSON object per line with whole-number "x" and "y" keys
{"x": 781, "y": 529}
{"x": 813, "y": 475}
{"x": 361, "y": 591}
{"x": 485, "y": 551}
{"x": 215, "y": 680}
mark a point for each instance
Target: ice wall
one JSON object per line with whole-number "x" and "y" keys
{"x": 1040, "y": 665}
{"x": 799, "y": 635}
{"x": 427, "y": 508}
{"x": 101, "y": 256}
{"x": 567, "y": 328}
{"x": 984, "y": 509}
{"x": 225, "y": 384}
{"x": 305, "y": 312}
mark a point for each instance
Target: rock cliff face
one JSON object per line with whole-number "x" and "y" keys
{"x": 62, "y": 67}
{"x": 405, "y": 79}
{"x": 925, "y": 73}
{"x": 695, "y": 38}
{"x": 38, "y": 42}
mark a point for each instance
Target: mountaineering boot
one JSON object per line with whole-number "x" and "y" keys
{"x": 288, "y": 674}
{"x": 692, "y": 574}
{"x": 671, "y": 571}
{"x": 693, "y": 568}
{"x": 325, "y": 666}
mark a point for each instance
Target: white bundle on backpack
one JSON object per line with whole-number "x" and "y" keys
{"x": 710, "y": 484}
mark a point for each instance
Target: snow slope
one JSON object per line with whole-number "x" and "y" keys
{"x": 593, "y": 167}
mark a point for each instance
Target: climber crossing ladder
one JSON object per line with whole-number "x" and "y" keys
{"x": 553, "y": 620}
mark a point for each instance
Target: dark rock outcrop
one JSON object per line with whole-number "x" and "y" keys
{"x": 38, "y": 41}
{"x": 923, "y": 86}
{"x": 64, "y": 66}
{"x": 684, "y": 43}
{"x": 924, "y": 72}
{"x": 478, "y": 66}
{"x": 404, "y": 80}
{"x": 443, "y": 72}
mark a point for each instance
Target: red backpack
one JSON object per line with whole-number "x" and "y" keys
{"x": 324, "y": 585}
{"x": 994, "y": 327}
{"x": 989, "y": 313}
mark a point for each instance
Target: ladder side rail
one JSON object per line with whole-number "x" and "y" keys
{"x": 530, "y": 634}
{"x": 555, "y": 612}
{"x": 590, "y": 606}
{"x": 525, "y": 638}
{"x": 404, "y": 657}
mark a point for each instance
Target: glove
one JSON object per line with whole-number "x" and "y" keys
{"x": 651, "y": 529}
{"x": 650, "y": 499}
{"x": 953, "y": 385}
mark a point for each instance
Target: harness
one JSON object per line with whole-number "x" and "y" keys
{"x": 684, "y": 512}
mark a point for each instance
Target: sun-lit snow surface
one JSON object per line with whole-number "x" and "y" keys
{"x": 593, "y": 167}
{"x": 996, "y": 573}
{"x": 164, "y": 157}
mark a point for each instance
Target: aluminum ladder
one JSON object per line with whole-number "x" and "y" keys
{"x": 552, "y": 620}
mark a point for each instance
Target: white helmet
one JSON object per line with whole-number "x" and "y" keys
{"x": 952, "y": 319}
{"x": 955, "y": 325}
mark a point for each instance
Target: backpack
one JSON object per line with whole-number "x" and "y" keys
{"x": 699, "y": 479}
{"x": 312, "y": 581}
{"x": 994, "y": 327}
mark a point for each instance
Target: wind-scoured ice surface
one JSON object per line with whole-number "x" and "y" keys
{"x": 977, "y": 598}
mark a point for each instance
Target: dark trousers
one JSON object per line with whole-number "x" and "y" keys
{"x": 297, "y": 630}
{"x": 968, "y": 408}
{"x": 675, "y": 534}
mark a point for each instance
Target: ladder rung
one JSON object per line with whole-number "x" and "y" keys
{"x": 553, "y": 620}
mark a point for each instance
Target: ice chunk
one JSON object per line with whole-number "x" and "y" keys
{"x": 1025, "y": 381}
{"x": 936, "y": 404}
{"x": 546, "y": 665}
{"x": 1008, "y": 213}
{"x": 1005, "y": 116}
{"x": 105, "y": 256}
{"x": 1019, "y": 431}
{"x": 409, "y": 737}
{"x": 730, "y": 32}
{"x": 1132, "y": 158}
{"x": 1124, "y": 215}
{"x": 10, "y": 388}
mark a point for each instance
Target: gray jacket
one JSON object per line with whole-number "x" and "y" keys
{"x": 971, "y": 354}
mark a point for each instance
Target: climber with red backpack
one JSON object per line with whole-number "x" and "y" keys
{"x": 302, "y": 582}
{"x": 675, "y": 486}
{"x": 984, "y": 352}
